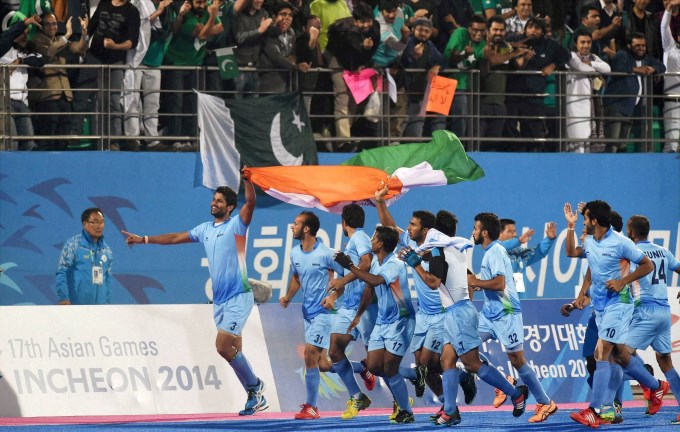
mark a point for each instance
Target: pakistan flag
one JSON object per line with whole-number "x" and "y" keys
{"x": 267, "y": 131}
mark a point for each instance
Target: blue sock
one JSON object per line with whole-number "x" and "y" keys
{"x": 407, "y": 372}
{"x": 357, "y": 367}
{"x": 615, "y": 383}
{"x": 450, "y": 381}
{"x": 400, "y": 392}
{"x": 674, "y": 380}
{"x": 636, "y": 369}
{"x": 344, "y": 369}
{"x": 243, "y": 371}
{"x": 491, "y": 376}
{"x": 529, "y": 378}
{"x": 312, "y": 378}
{"x": 600, "y": 385}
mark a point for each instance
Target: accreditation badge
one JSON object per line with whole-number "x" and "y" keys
{"x": 97, "y": 275}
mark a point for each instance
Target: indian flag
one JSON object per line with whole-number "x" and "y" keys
{"x": 440, "y": 162}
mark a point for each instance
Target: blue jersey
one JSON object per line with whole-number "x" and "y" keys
{"x": 357, "y": 246}
{"x": 608, "y": 259}
{"x": 225, "y": 246}
{"x": 313, "y": 270}
{"x": 394, "y": 297}
{"x": 521, "y": 258}
{"x": 653, "y": 288}
{"x": 429, "y": 301}
{"x": 499, "y": 303}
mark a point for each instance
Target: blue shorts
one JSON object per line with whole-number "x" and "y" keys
{"x": 318, "y": 330}
{"x": 613, "y": 322}
{"x": 231, "y": 316}
{"x": 461, "y": 321}
{"x": 651, "y": 325}
{"x": 508, "y": 329}
{"x": 590, "y": 338}
{"x": 367, "y": 322}
{"x": 341, "y": 320}
{"x": 394, "y": 337}
{"x": 429, "y": 333}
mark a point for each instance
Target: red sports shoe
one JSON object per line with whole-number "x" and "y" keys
{"x": 307, "y": 412}
{"x": 368, "y": 377}
{"x": 656, "y": 397}
{"x": 588, "y": 417}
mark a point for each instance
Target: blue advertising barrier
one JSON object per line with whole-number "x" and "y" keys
{"x": 43, "y": 194}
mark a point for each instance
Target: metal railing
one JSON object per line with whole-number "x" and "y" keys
{"x": 92, "y": 123}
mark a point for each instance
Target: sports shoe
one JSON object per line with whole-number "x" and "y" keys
{"x": 543, "y": 411}
{"x": 434, "y": 416}
{"x": 354, "y": 406}
{"x": 419, "y": 382}
{"x": 448, "y": 420}
{"x": 469, "y": 387}
{"x": 500, "y": 396}
{"x": 307, "y": 412}
{"x": 609, "y": 415}
{"x": 368, "y": 377}
{"x": 520, "y": 402}
{"x": 396, "y": 410}
{"x": 256, "y": 401}
{"x": 656, "y": 397}
{"x": 402, "y": 417}
{"x": 587, "y": 417}
{"x": 618, "y": 408}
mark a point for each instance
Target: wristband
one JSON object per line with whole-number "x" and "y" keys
{"x": 146, "y": 239}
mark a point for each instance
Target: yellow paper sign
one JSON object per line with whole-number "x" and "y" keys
{"x": 440, "y": 95}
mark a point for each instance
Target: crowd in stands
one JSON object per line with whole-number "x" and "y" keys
{"x": 610, "y": 50}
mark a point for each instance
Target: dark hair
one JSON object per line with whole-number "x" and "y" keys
{"x": 477, "y": 19}
{"x": 426, "y": 218}
{"x": 599, "y": 210}
{"x": 535, "y": 22}
{"x": 616, "y": 221}
{"x": 445, "y": 222}
{"x": 388, "y": 5}
{"x": 496, "y": 19}
{"x": 228, "y": 193}
{"x": 490, "y": 223}
{"x": 639, "y": 225}
{"x": 581, "y": 31}
{"x": 311, "y": 221}
{"x": 308, "y": 18}
{"x": 505, "y": 222}
{"x": 353, "y": 215}
{"x": 636, "y": 35}
{"x": 86, "y": 214}
{"x": 281, "y": 5}
{"x": 585, "y": 11}
{"x": 514, "y": 3}
{"x": 362, "y": 12}
{"x": 389, "y": 236}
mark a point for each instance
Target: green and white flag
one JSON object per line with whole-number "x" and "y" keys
{"x": 266, "y": 131}
{"x": 226, "y": 62}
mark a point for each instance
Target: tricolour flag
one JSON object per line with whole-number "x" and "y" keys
{"x": 402, "y": 167}
{"x": 267, "y": 131}
{"x": 226, "y": 62}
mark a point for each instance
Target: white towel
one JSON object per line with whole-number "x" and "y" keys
{"x": 435, "y": 239}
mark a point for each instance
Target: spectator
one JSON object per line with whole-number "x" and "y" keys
{"x": 580, "y": 110}
{"x": 192, "y": 27}
{"x": 623, "y": 94}
{"x": 453, "y": 14}
{"x": 307, "y": 50}
{"x": 640, "y": 20}
{"x": 143, "y": 85}
{"x": 420, "y": 53}
{"x": 525, "y": 105}
{"x": 671, "y": 48}
{"x": 84, "y": 269}
{"x": 603, "y": 37}
{"x": 328, "y": 11}
{"x": 424, "y": 9}
{"x": 278, "y": 52}
{"x": 611, "y": 13}
{"x": 352, "y": 42}
{"x": 515, "y": 25}
{"x": 498, "y": 7}
{"x": 50, "y": 91}
{"x": 20, "y": 120}
{"x": 463, "y": 52}
{"x": 115, "y": 30}
{"x": 249, "y": 28}
{"x": 674, "y": 19}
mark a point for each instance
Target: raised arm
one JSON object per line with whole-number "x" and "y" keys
{"x": 162, "y": 239}
{"x": 384, "y": 214}
{"x": 249, "y": 206}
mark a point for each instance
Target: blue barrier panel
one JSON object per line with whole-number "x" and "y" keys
{"x": 43, "y": 194}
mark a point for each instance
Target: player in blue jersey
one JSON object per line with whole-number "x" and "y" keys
{"x": 501, "y": 315}
{"x": 225, "y": 243}
{"x": 394, "y": 326}
{"x": 651, "y": 324}
{"x": 350, "y": 289}
{"x": 428, "y": 337}
{"x": 609, "y": 256}
{"x": 311, "y": 267}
